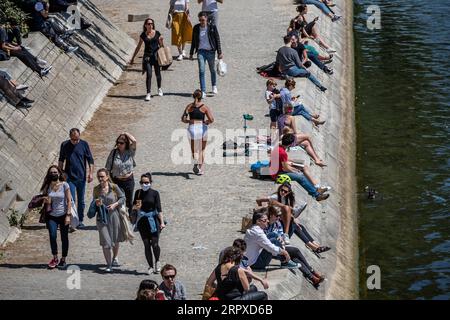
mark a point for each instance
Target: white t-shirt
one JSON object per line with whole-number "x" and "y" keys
{"x": 209, "y": 5}
{"x": 204, "y": 40}
{"x": 272, "y": 105}
{"x": 179, "y": 5}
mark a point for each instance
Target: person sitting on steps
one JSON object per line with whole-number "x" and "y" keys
{"x": 280, "y": 165}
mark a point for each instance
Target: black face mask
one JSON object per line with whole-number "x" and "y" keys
{"x": 54, "y": 177}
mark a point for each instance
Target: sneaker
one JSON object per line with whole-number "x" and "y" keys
{"x": 328, "y": 61}
{"x": 322, "y": 88}
{"x": 116, "y": 263}
{"x": 23, "y": 105}
{"x": 148, "y": 97}
{"x": 323, "y": 196}
{"x": 45, "y": 71}
{"x": 184, "y": 54}
{"x": 53, "y": 263}
{"x": 331, "y": 50}
{"x": 201, "y": 172}
{"x": 157, "y": 268}
{"x": 180, "y": 57}
{"x": 289, "y": 265}
{"x": 160, "y": 92}
{"x": 214, "y": 89}
{"x": 203, "y": 95}
{"x": 81, "y": 226}
{"x": 150, "y": 271}
{"x": 62, "y": 264}
{"x": 108, "y": 269}
{"x": 27, "y": 101}
{"x": 323, "y": 189}
{"x": 328, "y": 70}
{"x": 286, "y": 239}
{"x": 41, "y": 62}
{"x": 336, "y": 18}
{"x": 21, "y": 87}
{"x": 71, "y": 49}
{"x": 196, "y": 169}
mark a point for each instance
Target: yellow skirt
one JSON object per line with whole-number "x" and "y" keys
{"x": 181, "y": 29}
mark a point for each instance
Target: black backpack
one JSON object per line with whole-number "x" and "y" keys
{"x": 278, "y": 102}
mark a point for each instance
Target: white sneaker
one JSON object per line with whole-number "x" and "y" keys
{"x": 160, "y": 92}
{"x": 286, "y": 239}
{"x": 157, "y": 268}
{"x": 150, "y": 271}
{"x": 184, "y": 54}
{"x": 41, "y": 62}
{"x": 21, "y": 87}
{"x": 203, "y": 95}
{"x": 148, "y": 97}
{"x": 180, "y": 57}
{"x": 331, "y": 50}
{"x": 116, "y": 263}
{"x": 214, "y": 89}
{"x": 108, "y": 269}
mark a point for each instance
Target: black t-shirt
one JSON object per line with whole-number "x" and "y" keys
{"x": 230, "y": 287}
{"x": 150, "y": 200}
{"x": 151, "y": 45}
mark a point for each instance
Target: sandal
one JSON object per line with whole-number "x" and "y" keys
{"x": 322, "y": 249}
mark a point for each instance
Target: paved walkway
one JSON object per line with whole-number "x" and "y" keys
{"x": 204, "y": 213}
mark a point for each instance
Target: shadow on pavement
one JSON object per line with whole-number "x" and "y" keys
{"x": 185, "y": 175}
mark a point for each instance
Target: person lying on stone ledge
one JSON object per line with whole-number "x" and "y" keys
{"x": 284, "y": 200}
{"x": 8, "y": 50}
{"x": 43, "y": 23}
{"x": 13, "y": 95}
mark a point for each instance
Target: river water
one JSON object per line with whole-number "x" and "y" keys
{"x": 402, "y": 110}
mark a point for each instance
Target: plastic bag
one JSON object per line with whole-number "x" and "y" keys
{"x": 221, "y": 68}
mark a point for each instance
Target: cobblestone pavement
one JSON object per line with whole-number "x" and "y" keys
{"x": 204, "y": 212}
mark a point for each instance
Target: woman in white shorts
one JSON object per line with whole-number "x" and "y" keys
{"x": 195, "y": 114}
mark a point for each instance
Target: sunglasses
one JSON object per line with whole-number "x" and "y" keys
{"x": 149, "y": 24}
{"x": 285, "y": 191}
{"x": 120, "y": 142}
{"x": 169, "y": 277}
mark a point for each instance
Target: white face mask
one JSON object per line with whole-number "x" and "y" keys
{"x": 146, "y": 187}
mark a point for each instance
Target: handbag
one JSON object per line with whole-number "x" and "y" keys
{"x": 74, "y": 219}
{"x": 125, "y": 225}
{"x": 221, "y": 68}
{"x": 169, "y": 21}
{"x": 164, "y": 55}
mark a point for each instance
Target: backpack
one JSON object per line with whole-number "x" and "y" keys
{"x": 278, "y": 102}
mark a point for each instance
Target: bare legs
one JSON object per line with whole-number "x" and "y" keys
{"x": 305, "y": 141}
{"x": 198, "y": 148}
{"x": 110, "y": 257}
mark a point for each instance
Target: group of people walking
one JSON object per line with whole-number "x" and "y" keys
{"x": 204, "y": 38}
{"x": 115, "y": 202}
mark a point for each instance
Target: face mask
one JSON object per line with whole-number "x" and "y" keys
{"x": 146, "y": 187}
{"x": 54, "y": 177}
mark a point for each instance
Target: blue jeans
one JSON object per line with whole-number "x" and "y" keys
{"x": 304, "y": 182}
{"x": 265, "y": 257}
{"x": 320, "y": 5}
{"x": 301, "y": 110}
{"x": 315, "y": 59}
{"x": 78, "y": 187}
{"x": 302, "y": 73}
{"x": 52, "y": 226}
{"x": 203, "y": 57}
